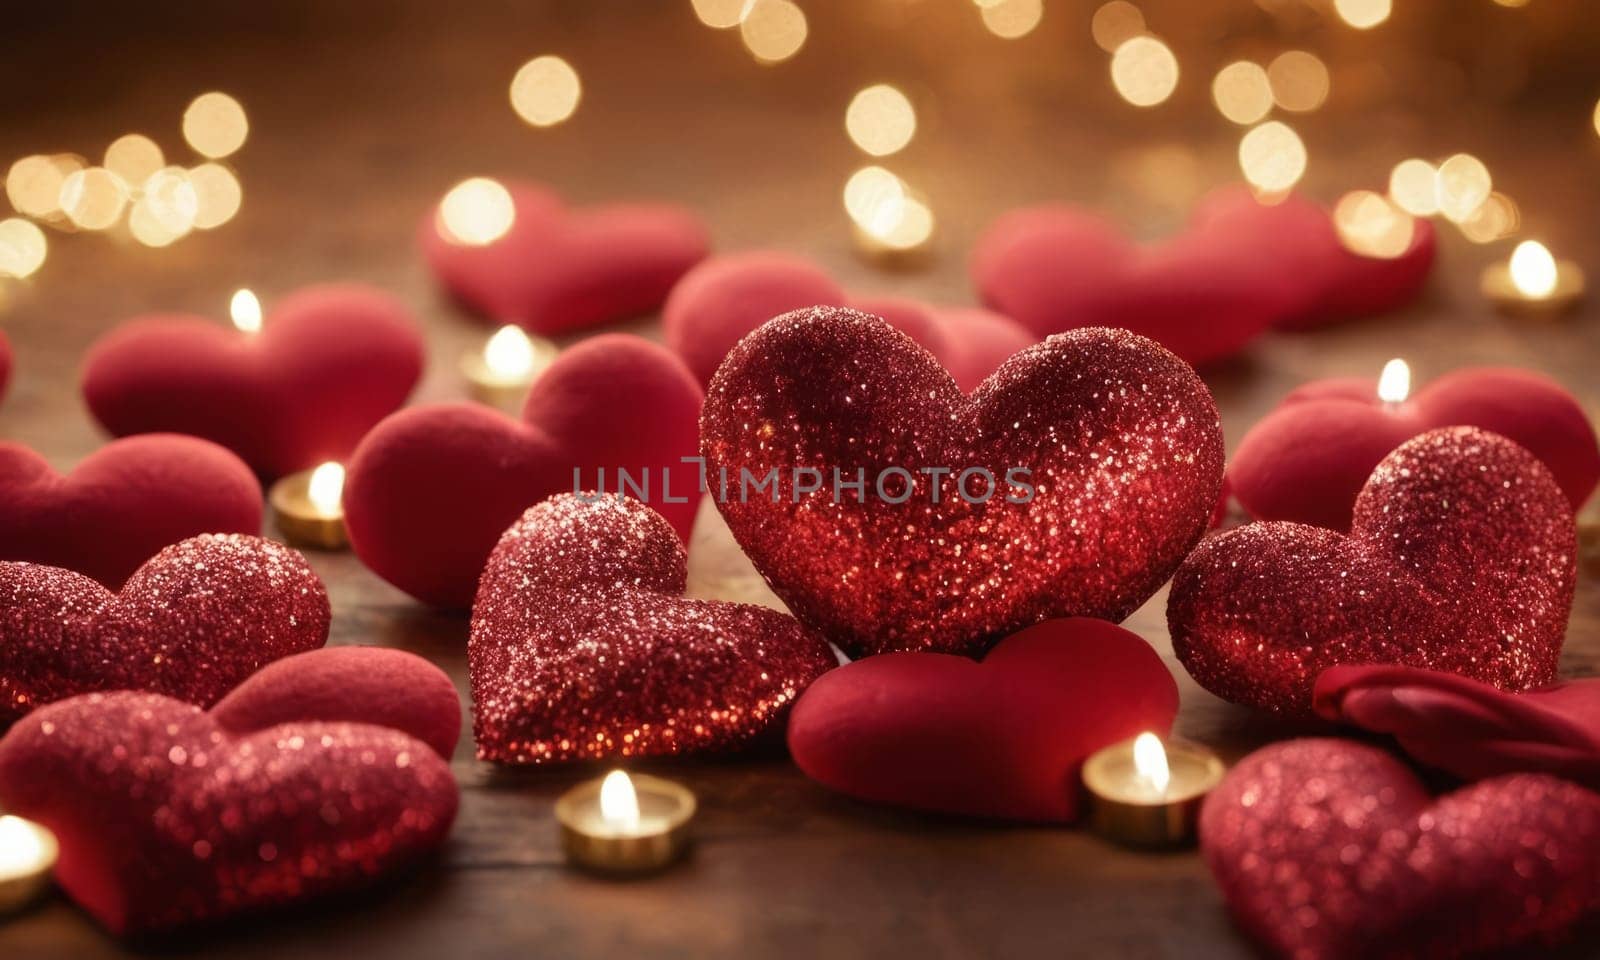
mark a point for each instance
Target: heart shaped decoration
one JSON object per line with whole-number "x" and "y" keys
{"x": 123, "y": 503}
{"x": 1330, "y": 849}
{"x": 1004, "y": 738}
{"x": 196, "y": 619}
{"x": 169, "y": 816}
{"x": 583, "y": 646}
{"x": 327, "y": 364}
{"x": 1462, "y": 558}
{"x": 558, "y": 269}
{"x": 431, "y": 489}
{"x": 891, "y": 511}
{"x": 726, "y": 297}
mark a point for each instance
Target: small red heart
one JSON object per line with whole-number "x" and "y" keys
{"x": 1462, "y": 558}
{"x": 431, "y": 489}
{"x": 1327, "y": 849}
{"x": 1003, "y": 738}
{"x": 1119, "y": 440}
{"x": 559, "y": 269}
{"x": 196, "y": 619}
{"x": 328, "y": 363}
{"x": 584, "y": 647}
{"x": 169, "y": 816}
{"x": 726, "y": 297}
{"x": 1307, "y": 460}
{"x": 121, "y": 504}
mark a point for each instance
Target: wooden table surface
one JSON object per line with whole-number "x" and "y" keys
{"x": 363, "y": 113}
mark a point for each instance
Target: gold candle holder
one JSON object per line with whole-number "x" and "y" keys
{"x": 1532, "y": 282}
{"x": 1146, "y": 794}
{"x": 622, "y": 825}
{"x": 308, "y": 510}
{"x": 501, "y": 371}
{"x": 28, "y": 853}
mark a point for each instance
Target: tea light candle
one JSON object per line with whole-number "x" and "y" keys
{"x": 245, "y": 311}
{"x": 625, "y": 825}
{"x": 500, "y": 373}
{"x": 1533, "y": 282}
{"x": 27, "y": 855}
{"x": 1144, "y": 793}
{"x": 308, "y": 509}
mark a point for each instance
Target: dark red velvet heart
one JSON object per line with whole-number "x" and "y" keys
{"x": 726, "y": 297}
{"x": 122, "y": 503}
{"x": 1003, "y": 738}
{"x": 1327, "y": 849}
{"x": 169, "y": 816}
{"x": 559, "y": 269}
{"x": 583, "y": 646}
{"x": 1462, "y": 558}
{"x": 196, "y": 619}
{"x": 328, "y": 363}
{"x": 1117, "y": 439}
{"x": 432, "y": 488}
{"x": 1307, "y": 460}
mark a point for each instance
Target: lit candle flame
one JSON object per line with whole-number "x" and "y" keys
{"x": 1394, "y": 383}
{"x": 326, "y": 488}
{"x": 1150, "y": 761}
{"x": 619, "y": 803}
{"x": 509, "y": 354}
{"x": 245, "y": 309}
{"x": 1533, "y": 269}
{"x": 22, "y": 847}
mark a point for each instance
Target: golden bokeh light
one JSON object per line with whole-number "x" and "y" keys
{"x": 1463, "y": 184}
{"x": 171, "y": 200}
{"x": 1116, "y": 23}
{"x": 1413, "y": 186}
{"x": 1512, "y": 3}
{"x": 134, "y": 157}
{"x": 1299, "y": 81}
{"x": 1363, "y": 14}
{"x": 1242, "y": 92}
{"x": 1144, "y": 71}
{"x": 1495, "y": 219}
{"x": 22, "y": 247}
{"x": 719, "y": 14}
{"x": 545, "y": 91}
{"x": 880, "y": 119}
{"x": 33, "y": 184}
{"x": 875, "y": 199}
{"x": 244, "y": 309}
{"x": 93, "y": 198}
{"x": 217, "y": 195}
{"x": 215, "y": 125}
{"x": 147, "y": 226}
{"x": 1597, "y": 118}
{"x": 1371, "y": 226}
{"x": 1272, "y": 157}
{"x": 912, "y": 229}
{"x": 1012, "y": 18}
{"x": 476, "y": 212}
{"x": 773, "y": 30}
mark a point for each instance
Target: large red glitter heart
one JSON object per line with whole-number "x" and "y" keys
{"x": 584, "y": 647}
{"x": 1327, "y": 849}
{"x": 1117, "y": 438}
{"x": 1462, "y": 558}
{"x": 168, "y": 815}
{"x": 1003, "y": 738}
{"x": 558, "y": 269}
{"x": 121, "y": 504}
{"x": 195, "y": 620}
{"x": 328, "y": 363}
{"x": 431, "y": 489}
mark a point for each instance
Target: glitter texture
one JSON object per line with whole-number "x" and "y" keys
{"x": 165, "y": 819}
{"x": 1120, "y": 438}
{"x": 1462, "y": 558}
{"x": 583, "y": 646}
{"x": 196, "y": 619}
{"x": 1331, "y": 849}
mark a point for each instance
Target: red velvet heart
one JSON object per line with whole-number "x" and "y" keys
{"x": 559, "y": 269}
{"x": 431, "y": 489}
{"x": 1462, "y": 558}
{"x": 1307, "y": 460}
{"x": 196, "y": 619}
{"x": 1326, "y": 849}
{"x": 169, "y": 816}
{"x": 1003, "y": 738}
{"x": 124, "y": 502}
{"x": 1119, "y": 441}
{"x": 584, "y": 647}
{"x": 726, "y": 297}
{"x": 329, "y": 362}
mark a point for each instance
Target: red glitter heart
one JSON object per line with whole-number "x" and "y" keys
{"x": 1462, "y": 558}
{"x": 191, "y": 623}
{"x": 1119, "y": 437}
{"x": 1331, "y": 849}
{"x": 1003, "y": 738}
{"x": 583, "y": 646}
